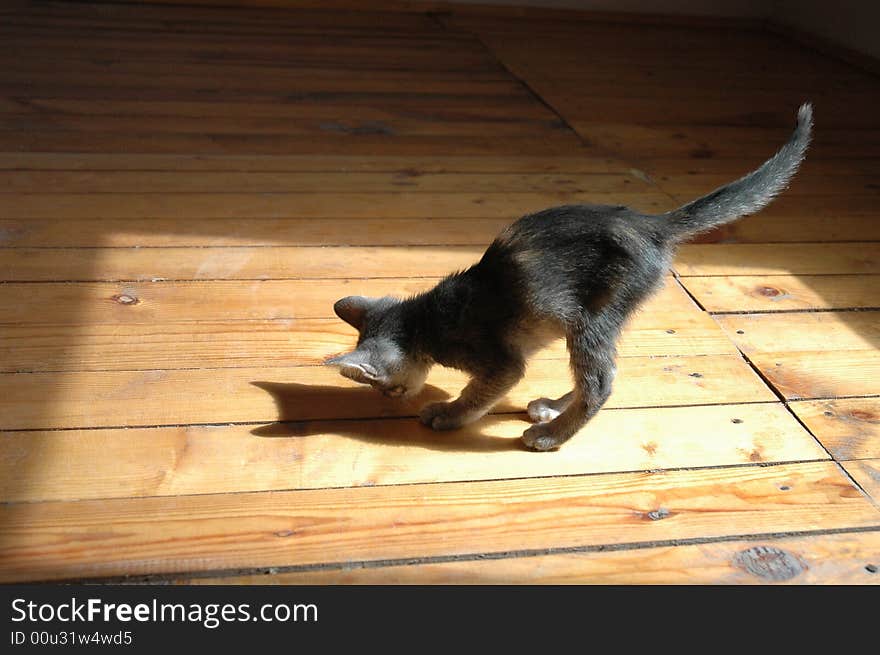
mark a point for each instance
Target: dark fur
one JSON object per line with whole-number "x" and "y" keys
{"x": 576, "y": 271}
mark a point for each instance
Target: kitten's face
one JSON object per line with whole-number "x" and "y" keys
{"x": 378, "y": 360}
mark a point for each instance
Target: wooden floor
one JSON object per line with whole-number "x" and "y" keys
{"x": 184, "y": 193}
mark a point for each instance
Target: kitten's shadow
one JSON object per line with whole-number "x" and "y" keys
{"x": 305, "y": 410}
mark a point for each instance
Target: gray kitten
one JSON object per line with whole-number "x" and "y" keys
{"x": 576, "y": 271}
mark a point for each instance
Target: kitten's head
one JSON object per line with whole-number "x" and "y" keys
{"x": 382, "y": 358}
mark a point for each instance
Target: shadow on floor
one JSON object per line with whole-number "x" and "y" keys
{"x": 363, "y": 407}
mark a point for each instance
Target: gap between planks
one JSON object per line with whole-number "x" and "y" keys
{"x": 828, "y": 557}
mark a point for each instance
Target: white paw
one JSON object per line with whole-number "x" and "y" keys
{"x": 441, "y": 416}
{"x": 540, "y": 410}
{"x": 540, "y": 437}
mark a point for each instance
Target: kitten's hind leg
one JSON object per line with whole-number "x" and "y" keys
{"x": 476, "y": 399}
{"x": 544, "y": 410}
{"x": 594, "y": 373}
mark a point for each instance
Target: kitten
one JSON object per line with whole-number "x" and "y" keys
{"x": 576, "y": 271}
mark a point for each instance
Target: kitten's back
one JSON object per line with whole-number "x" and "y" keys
{"x": 579, "y": 260}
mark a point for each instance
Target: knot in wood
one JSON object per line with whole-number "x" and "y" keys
{"x": 126, "y": 299}
{"x": 769, "y": 563}
{"x": 770, "y": 292}
{"x": 659, "y": 514}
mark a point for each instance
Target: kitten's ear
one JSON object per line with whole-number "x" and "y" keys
{"x": 352, "y": 310}
{"x": 354, "y": 365}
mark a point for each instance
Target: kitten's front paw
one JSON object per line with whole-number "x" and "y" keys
{"x": 441, "y": 416}
{"x": 542, "y": 410}
{"x": 540, "y": 437}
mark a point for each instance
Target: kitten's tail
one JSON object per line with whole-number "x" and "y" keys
{"x": 747, "y": 194}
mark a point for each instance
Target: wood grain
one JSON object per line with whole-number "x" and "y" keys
{"x": 334, "y": 231}
{"x": 804, "y": 225}
{"x": 86, "y": 399}
{"x": 401, "y": 204}
{"x": 407, "y": 179}
{"x": 144, "y": 163}
{"x": 828, "y": 170}
{"x": 201, "y": 232}
{"x": 395, "y": 261}
{"x": 776, "y": 293}
{"x": 848, "y": 427}
{"x": 778, "y": 259}
{"x": 362, "y": 139}
{"x": 866, "y": 472}
{"x": 203, "y": 147}
{"x": 823, "y": 559}
{"x": 299, "y": 86}
{"x": 811, "y": 355}
{"x": 260, "y": 342}
{"x": 140, "y": 462}
{"x": 137, "y": 264}
{"x": 703, "y": 142}
{"x": 322, "y": 122}
{"x": 56, "y": 540}
{"x": 802, "y": 331}
{"x": 830, "y": 374}
{"x": 161, "y": 302}
{"x": 120, "y": 162}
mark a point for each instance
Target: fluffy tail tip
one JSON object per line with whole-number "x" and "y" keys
{"x": 805, "y": 116}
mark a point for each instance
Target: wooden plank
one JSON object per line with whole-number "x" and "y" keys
{"x": 146, "y": 264}
{"x": 56, "y": 540}
{"x": 132, "y": 233}
{"x": 138, "y": 462}
{"x": 208, "y": 87}
{"x": 829, "y": 206}
{"x": 827, "y": 169}
{"x": 767, "y": 227}
{"x": 181, "y": 263}
{"x": 810, "y": 354}
{"x": 240, "y": 81}
{"x": 778, "y": 107}
{"x": 814, "y": 374}
{"x": 257, "y": 343}
{"x": 802, "y": 331}
{"x": 362, "y": 44}
{"x": 310, "y": 122}
{"x": 541, "y": 56}
{"x": 418, "y": 164}
{"x": 307, "y": 17}
{"x": 410, "y": 180}
{"x": 821, "y": 559}
{"x": 386, "y": 22}
{"x": 866, "y": 472}
{"x": 202, "y": 231}
{"x": 702, "y": 142}
{"x": 123, "y": 98}
{"x": 364, "y": 51}
{"x": 637, "y": 78}
{"x": 208, "y": 40}
{"x": 778, "y": 259}
{"x": 820, "y": 218}
{"x": 367, "y": 142}
{"x": 402, "y": 204}
{"x": 848, "y": 427}
{"x": 805, "y": 183}
{"x": 163, "y": 302}
{"x": 749, "y": 293}
{"x": 390, "y": 16}
{"x": 88, "y": 399}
